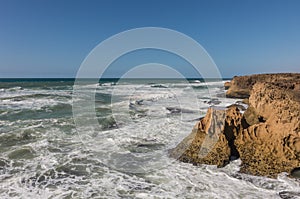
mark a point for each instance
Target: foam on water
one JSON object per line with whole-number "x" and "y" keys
{"x": 43, "y": 157}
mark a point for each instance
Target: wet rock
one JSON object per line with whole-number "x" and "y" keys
{"x": 108, "y": 123}
{"x": 175, "y": 110}
{"x": 158, "y": 86}
{"x": 296, "y": 173}
{"x": 213, "y": 102}
{"x": 289, "y": 194}
{"x": 3, "y": 163}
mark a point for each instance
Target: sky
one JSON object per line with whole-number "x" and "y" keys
{"x": 51, "y": 38}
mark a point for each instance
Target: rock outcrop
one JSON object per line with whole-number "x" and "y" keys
{"x": 266, "y": 137}
{"x": 211, "y": 140}
{"x": 241, "y": 86}
{"x": 274, "y": 134}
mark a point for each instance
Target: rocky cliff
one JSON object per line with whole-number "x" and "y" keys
{"x": 266, "y": 137}
{"x": 241, "y": 86}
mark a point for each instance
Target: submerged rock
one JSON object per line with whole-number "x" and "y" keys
{"x": 266, "y": 137}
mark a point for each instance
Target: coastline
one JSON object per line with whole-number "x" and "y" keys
{"x": 266, "y": 137}
{"x": 38, "y": 129}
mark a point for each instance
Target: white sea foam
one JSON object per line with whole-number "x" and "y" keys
{"x": 62, "y": 166}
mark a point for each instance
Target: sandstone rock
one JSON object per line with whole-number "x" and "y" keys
{"x": 271, "y": 144}
{"x": 266, "y": 137}
{"x": 246, "y": 101}
{"x": 211, "y": 141}
{"x": 227, "y": 85}
{"x": 251, "y": 116}
{"x": 240, "y": 86}
{"x": 241, "y": 105}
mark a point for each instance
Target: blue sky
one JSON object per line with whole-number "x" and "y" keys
{"x": 52, "y": 38}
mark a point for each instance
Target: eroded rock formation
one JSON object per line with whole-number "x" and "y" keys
{"x": 211, "y": 139}
{"x": 266, "y": 137}
{"x": 241, "y": 86}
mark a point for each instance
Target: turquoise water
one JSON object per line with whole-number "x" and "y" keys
{"x": 42, "y": 154}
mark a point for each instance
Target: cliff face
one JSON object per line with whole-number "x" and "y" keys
{"x": 266, "y": 137}
{"x": 275, "y": 136}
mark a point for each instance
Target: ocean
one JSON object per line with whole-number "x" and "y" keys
{"x": 45, "y": 152}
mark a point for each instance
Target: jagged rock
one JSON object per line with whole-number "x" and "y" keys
{"x": 241, "y": 105}
{"x": 211, "y": 140}
{"x": 251, "y": 116}
{"x": 271, "y": 144}
{"x": 266, "y": 137}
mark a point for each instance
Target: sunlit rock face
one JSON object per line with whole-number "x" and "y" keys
{"x": 241, "y": 86}
{"x": 266, "y": 137}
{"x": 211, "y": 139}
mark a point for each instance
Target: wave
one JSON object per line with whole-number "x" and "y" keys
{"x": 43, "y": 156}
{"x": 59, "y": 110}
{"x": 24, "y": 96}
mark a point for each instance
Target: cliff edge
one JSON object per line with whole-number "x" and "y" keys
{"x": 241, "y": 86}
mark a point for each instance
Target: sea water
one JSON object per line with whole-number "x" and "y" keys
{"x": 43, "y": 155}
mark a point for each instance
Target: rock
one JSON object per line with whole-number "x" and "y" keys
{"x": 246, "y": 101}
{"x": 241, "y": 106}
{"x": 295, "y": 173}
{"x": 227, "y": 85}
{"x": 213, "y": 102}
{"x": 251, "y": 116}
{"x": 240, "y": 86}
{"x": 3, "y": 163}
{"x": 271, "y": 144}
{"x": 289, "y": 194}
{"x": 266, "y": 137}
{"x": 211, "y": 140}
